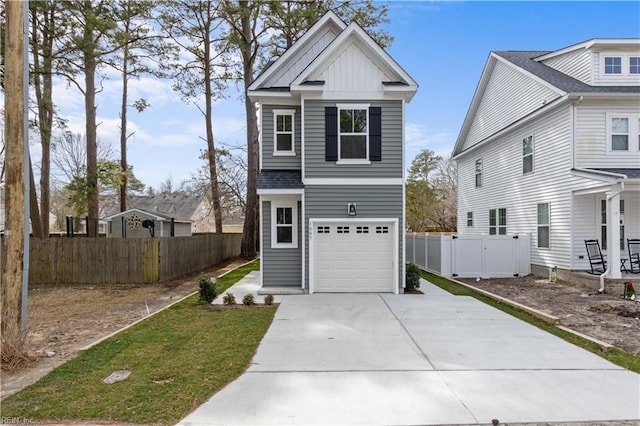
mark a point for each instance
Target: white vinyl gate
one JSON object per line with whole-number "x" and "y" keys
{"x": 470, "y": 256}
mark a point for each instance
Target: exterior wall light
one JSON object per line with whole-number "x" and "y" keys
{"x": 351, "y": 209}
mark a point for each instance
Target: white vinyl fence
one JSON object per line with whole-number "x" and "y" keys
{"x": 470, "y": 256}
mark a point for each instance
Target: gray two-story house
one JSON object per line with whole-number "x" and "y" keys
{"x": 331, "y": 182}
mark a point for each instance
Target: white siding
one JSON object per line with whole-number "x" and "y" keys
{"x": 352, "y": 70}
{"x": 294, "y": 66}
{"x": 504, "y": 186}
{"x": 601, "y": 79}
{"x": 591, "y": 136}
{"x": 577, "y": 64}
{"x": 503, "y": 102}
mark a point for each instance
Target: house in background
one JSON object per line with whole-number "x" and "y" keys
{"x": 136, "y": 223}
{"x": 194, "y": 209}
{"x": 331, "y": 181}
{"x": 550, "y": 146}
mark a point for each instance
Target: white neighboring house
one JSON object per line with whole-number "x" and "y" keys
{"x": 550, "y": 146}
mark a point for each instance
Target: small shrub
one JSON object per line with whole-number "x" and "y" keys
{"x": 229, "y": 299}
{"x": 412, "y": 277}
{"x": 248, "y": 300}
{"x": 268, "y": 299}
{"x": 207, "y": 289}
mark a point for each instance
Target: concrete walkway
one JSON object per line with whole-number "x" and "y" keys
{"x": 416, "y": 359}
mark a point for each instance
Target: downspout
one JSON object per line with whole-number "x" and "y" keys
{"x": 608, "y": 270}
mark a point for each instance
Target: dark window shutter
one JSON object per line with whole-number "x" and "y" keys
{"x": 331, "y": 133}
{"x": 375, "y": 134}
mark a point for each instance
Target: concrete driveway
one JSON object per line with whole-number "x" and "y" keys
{"x": 416, "y": 359}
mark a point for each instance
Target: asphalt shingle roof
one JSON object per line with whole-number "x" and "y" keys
{"x": 280, "y": 179}
{"x": 564, "y": 82}
{"x": 630, "y": 173}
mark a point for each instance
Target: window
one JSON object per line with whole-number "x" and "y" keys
{"x": 343, "y": 229}
{"x": 382, "y": 229}
{"x": 469, "y": 219}
{"x": 283, "y": 139}
{"x": 353, "y": 134}
{"x": 543, "y": 225}
{"x": 619, "y": 134}
{"x": 634, "y": 64}
{"x": 479, "y": 173}
{"x": 284, "y": 225}
{"x": 613, "y": 65}
{"x": 362, "y": 230}
{"x": 603, "y": 224}
{"x": 527, "y": 155}
{"x": 623, "y": 133}
{"x": 498, "y": 222}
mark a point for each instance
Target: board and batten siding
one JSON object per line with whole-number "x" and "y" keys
{"x": 576, "y": 64}
{"x": 280, "y": 266}
{"x": 504, "y": 186}
{"x": 592, "y": 146}
{"x": 503, "y": 104}
{"x": 280, "y": 162}
{"x": 373, "y": 202}
{"x": 353, "y": 71}
{"x": 315, "y": 165}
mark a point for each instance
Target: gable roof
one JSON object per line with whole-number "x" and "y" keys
{"x": 180, "y": 207}
{"x": 329, "y": 21}
{"x": 530, "y": 64}
{"x": 155, "y": 216}
{"x": 297, "y": 70}
{"x": 526, "y": 60}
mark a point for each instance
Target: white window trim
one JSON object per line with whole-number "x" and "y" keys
{"x": 634, "y": 132}
{"x": 475, "y": 172}
{"x": 470, "y": 218}
{"x": 548, "y": 225}
{"x": 354, "y": 161}
{"x": 292, "y": 151}
{"x": 274, "y": 225}
{"x": 624, "y": 63}
{"x": 533, "y": 152}
{"x": 497, "y": 225}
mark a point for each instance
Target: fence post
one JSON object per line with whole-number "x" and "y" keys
{"x": 413, "y": 248}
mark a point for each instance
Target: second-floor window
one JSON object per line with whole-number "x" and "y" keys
{"x": 478, "y": 172}
{"x": 623, "y": 132}
{"x": 283, "y": 138}
{"x": 634, "y": 64}
{"x": 613, "y": 65}
{"x": 353, "y": 134}
{"x": 470, "y": 219}
{"x": 527, "y": 155}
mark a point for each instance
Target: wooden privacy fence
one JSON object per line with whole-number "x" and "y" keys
{"x": 126, "y": 260}
{"x": 470, "y": 256}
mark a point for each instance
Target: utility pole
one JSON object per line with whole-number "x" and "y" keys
{"x": 14, "y": 239}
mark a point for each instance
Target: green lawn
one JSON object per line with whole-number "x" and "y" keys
{"x": 617, "y": 356}
{"x": 178, "y": 358}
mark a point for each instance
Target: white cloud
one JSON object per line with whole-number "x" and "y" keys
{"x": 419, "y": 137}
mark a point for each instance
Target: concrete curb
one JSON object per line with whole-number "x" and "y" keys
{"x": 605, "y": 347}
{"x": 536, "y": 313}
{"x": 90, "y": 345}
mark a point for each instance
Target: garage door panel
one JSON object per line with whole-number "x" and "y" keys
{"x": 353, "y": 257}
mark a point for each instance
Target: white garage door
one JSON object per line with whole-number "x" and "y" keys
{"x": 353, "y": 256}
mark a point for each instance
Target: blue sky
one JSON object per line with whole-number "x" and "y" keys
{"x": 442, "y": 44}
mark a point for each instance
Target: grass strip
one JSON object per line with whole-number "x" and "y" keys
{"x": 178, "y": 358}
{"x": 615, "y": 355}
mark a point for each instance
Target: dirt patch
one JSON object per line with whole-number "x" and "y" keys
{"x": 605, "y": 317}
{"x": 63, "y": 320}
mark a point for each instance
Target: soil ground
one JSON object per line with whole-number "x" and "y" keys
{"x": 605, "y": 317}
{"x": 65, "y": 319}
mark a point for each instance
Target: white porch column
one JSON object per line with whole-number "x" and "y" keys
{"x": 613, "y": 234}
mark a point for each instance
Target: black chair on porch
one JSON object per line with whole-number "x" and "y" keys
{"x": 596, "y": 260}
{"x": 633, "y": 244}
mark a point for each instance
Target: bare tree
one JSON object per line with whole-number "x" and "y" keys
{"x": 193, "y": 26}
